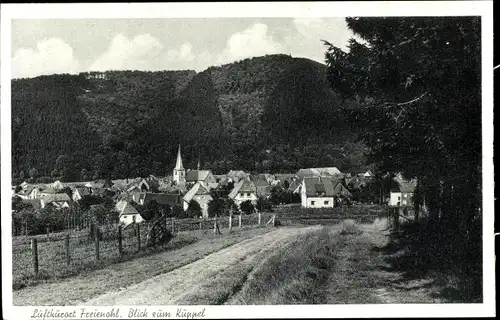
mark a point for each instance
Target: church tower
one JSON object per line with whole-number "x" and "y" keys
{"x": 179, "y": 172}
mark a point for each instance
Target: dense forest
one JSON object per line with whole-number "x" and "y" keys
{"x": 271, "y": 113}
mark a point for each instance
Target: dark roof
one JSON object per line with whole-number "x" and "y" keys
{"x": 324, "y": 187}
{"x": 197, "y": 175}
{"x": 163, "y": 198}
{"x": 36, "y": 203}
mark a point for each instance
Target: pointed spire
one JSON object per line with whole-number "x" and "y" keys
{"x": 198, "y": 164}
{"x": 178, "y": 163}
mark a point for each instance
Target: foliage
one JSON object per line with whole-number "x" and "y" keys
{"x": 417, "y": 84}
{"x": 241, "y": 115}
{"x": 263, "y": 205}
{"x": 194, "y": 209}
{"x": 87, "y": 200}
{"x": 215, "y": 206}
{"x": 247, "y": 207}
{"x": 280, "y": 195}
{"x": 178, "y": 212}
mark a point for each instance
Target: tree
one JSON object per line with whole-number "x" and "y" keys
{"x": 247, "y": 207}
{"x": 417, "y": 86}
{"x": 194, "y": 209}
{"x": 178, "y": 212}
{"x": 215, "y": 206}
{"x": 263, "y": 204}
{"x": 87, "y": 200}
{"x": 150, "y": 210}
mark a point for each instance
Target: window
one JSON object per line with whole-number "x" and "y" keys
{"x": 248, "y": 194}
{"x": 312, "y": 203}
{"x": 327, "y": 202}
{"x": 399, "y": 198}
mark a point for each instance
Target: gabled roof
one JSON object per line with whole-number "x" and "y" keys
{"x": 242, "y": 186}
{"x": 197, "y": 175}
{"x": 294, "y": 185}
{"x": 83, "y": 191}
{"x": 323, "y": 187}
{"x": 58, "y": 197}
{"x": 124, "y": 208}
{"x": 197, "y": 189}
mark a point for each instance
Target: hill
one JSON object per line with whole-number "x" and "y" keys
{"x": 265, "y": 113}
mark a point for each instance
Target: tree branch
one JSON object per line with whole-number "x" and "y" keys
{"x": 388, "y": 105}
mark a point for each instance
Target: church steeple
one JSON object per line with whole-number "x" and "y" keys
{"x": 179, "y": 175}
{"x": 178, "y": 163}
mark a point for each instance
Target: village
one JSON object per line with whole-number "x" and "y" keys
{"x": 189, "y": 192}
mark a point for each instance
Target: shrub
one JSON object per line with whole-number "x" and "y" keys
{"x": 247, "y": 207}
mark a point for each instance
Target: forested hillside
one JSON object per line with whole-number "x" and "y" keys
{"x": 271, "y": 113}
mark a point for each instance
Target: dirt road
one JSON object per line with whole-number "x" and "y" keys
{"x": 200, "y": 281}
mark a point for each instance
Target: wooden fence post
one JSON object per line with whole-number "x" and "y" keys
{"x": 274, "y": 220}
{"x": 200, "y": 225}
{"x": 239, "y": 221}
{"x": 259, "y": 218}
{"x": 173, "y": 225}
{"x": 66, "y": 245}
{"x": 138, "y": 237}
{"x": 230, "y": 222}
{"x": 120, "y": 246}
{"x": 215, "y": 224}
{"x": 48, "y": 232}
{"x": 96, "y": 240}
{"x": 34, "y": 252}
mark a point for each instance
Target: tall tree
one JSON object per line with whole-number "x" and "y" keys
{"x": 416, "y": 83}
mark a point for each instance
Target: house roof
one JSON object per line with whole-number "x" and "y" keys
{"x": 58, "y": 197}
{"x": 294, "y": 185}
{"x": 36, "y": 203}
{"x": 83, "y": 191}
{"x": 163, "y": 198}
{"x": 406, "y": 186}
{"x": 263, "y": 191}
{"x": 125, "y": 208}
{"x": 324, "y": 187}
{"x": 197, "y": 189}
{"x": 242, "y": 186}
{"x": 326, "y": 171}
{"x": 285, "y": 176}
{"x": 197, "y": 175}
{"x": 237, "y": 174}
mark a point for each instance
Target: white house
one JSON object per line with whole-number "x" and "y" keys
{"x": 402, "y": 192}
{"x": 321, "y": 192}
{"x": 127, "y": 213}
{"x": 199, "y": 194}
{"x": 242, "y": 191}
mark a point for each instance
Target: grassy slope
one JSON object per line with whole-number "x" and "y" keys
{"x": 90, "y": 284}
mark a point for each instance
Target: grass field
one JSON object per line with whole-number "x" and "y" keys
{"x": 52, "y": 253}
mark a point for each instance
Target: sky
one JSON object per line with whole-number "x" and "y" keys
{"x": 42, "y": 47}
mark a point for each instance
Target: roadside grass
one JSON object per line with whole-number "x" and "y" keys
{"x": 293, "y": 274}
{"x": 82, "y": 282}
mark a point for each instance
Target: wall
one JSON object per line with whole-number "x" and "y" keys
{"x": 319, "y": 202}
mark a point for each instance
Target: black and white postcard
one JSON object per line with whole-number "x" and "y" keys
{"x": 247, "y": 160}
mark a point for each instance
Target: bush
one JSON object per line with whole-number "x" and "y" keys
{"x": 247, "y": 207}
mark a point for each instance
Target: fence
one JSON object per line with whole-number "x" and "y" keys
{"x": 66, "y": 252}
{"x": 296, "y": 215}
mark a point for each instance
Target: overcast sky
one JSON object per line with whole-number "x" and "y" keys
{"x": 72, "y": 46}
